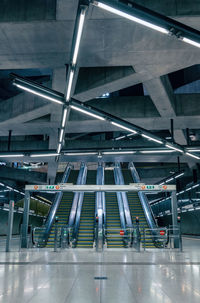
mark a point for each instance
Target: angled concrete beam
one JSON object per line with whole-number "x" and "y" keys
{"x": 95, "y": 81}
{"x": 162, "y": 95}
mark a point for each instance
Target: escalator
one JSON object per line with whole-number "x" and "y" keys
{"x": 85, "y": 238}
{"x": 114, "y": 240}
{"x": 136, "y": 209}
{"x": 63, "y": 209}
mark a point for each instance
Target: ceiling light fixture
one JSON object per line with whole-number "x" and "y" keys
{"x": 152, "y": 139}
{"x": 156, "y": 151}
{"x": 118, "y": 152}
{"x": 11, "y": 155}
{"x": 81, "y": 154}
{"x": 69, "y": 86}
{"x": 192, "y": 42}
{"x": 44, "y": 155}
{"x": 123, "y": 127}
{"x": 130, "y": 17}
{"x": 35, "y": 92}
{"x": 86, "y": 112}
{"x": 61, "y": 135}
{"x": 174, "y": 148}
{"x": 78, "y": 37}
{"x": 64, "y": 117}
{"x": 193, "y": 156}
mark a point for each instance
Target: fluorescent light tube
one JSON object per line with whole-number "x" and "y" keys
{"x": 152, "y": 139}
{"x": 44, "y": 155}
{"x": 64, "y": 117}
{"x": 192, "y": 42}
{"x": 86, "y": 112}
{"x": 161, "y": 183}
{"x": 119, "y": 138}
{"x": 69, "y": 86}
{"x": 80, "y": 154}
{"x": 193, "y": 150}
{"x": 11, "y": 155}
{"x": 178, "y": 176}
{"x": 131, "y": 134}
{"x": 169, "y": 180}
{"x": 61, "y": 135}
{"x": 78, "y": 37}
{"x": 174, "y": 148}
{"x": 193, "y": 156}
{"x": 123, "y": 127}
{"x": 37, "y": 93}
{"x": 194, "y": 186}
{"x": 118, "y": 152}
{"x": 181, "y": 192}
{"x": 130, "y": 17}
{"x": 189, "y": 188}
{"x": 59, "y": 148}
{"x": 156, "y": 151}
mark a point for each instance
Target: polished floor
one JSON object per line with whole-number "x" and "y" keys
{"x": 84, "y": 276}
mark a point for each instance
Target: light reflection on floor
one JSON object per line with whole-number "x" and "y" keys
{"x": 152, "y": 277}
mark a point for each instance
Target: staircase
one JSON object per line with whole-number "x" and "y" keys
{"x": 136, "y": 210}
{"x": 114, "y": 240}
{"x": 63, "y": 209}
{"x": 86, "y": 228}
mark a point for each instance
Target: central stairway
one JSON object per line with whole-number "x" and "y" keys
{"x": 136, "y": 210}
{"x": 114, "y": 240}
{"x": 85, "y": 237}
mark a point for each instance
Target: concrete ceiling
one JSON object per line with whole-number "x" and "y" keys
{"x": 115, "y": 54}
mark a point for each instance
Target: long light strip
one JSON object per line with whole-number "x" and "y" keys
{"x": 130, "y": 17}
{"x": 64, "y": 117}
{"x": 81, "y": 154}
{"x": 11, "y": 155}
{"x": 174, "y": 148}
{"x": 32, "y": 91}
{"x": 118, "y": 152}
{"x": 59, "y": 148}
{"x": 178, "y": 176}
{"x": 193, "y": 150}
{"x": 192, "y": 42}
{"x": 78, "y": 37}
{"x": 69, "y": 87}
{"x": 123, "y": 127}
{"x": 61, "y": 135}
{"x": 44, "y": 155}
{"x": 152, "y": 139}
{"x": 87, "y": 112}
{"x": 156, "y": 151}
{"x": 193, "y": 156}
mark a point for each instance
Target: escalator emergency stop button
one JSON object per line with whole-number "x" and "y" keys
{"x": 162, "y": 232}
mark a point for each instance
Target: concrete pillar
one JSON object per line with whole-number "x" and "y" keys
{"x": 24, "y": 235}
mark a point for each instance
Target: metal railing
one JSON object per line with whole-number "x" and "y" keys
{"x": 165, "y": 238}
{"x": 62, "y": 237}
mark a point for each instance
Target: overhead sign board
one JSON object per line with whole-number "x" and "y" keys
{"x": 103, "y": 188}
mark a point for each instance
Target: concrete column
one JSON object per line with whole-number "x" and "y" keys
{"x": 10, "y": 224}
{"x": 24, "y": 235}
{"x": 174, "y": 217}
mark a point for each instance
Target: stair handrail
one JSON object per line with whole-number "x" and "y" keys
{"x": 79, "y": 208}
{"x": 144, "y": 201}
{"x": 52, "y": 213}
{"x": 127, "y": 212}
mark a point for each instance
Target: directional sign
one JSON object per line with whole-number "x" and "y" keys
{"x": 103, "y": 188}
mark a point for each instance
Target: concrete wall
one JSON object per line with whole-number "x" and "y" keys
{"x": 190, "y": 222}
{"x": 27, "y": 10}
{"x": 34, "y": 221}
